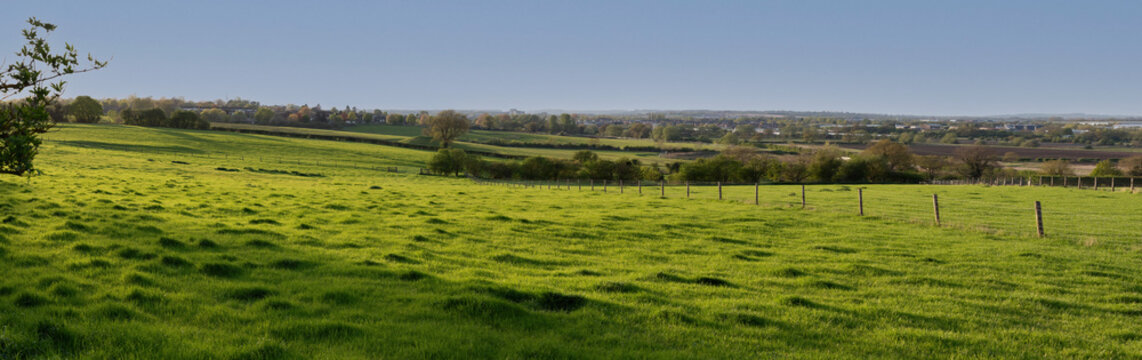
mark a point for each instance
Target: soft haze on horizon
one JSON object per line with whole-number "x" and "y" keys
{"x": 901, "y": 57}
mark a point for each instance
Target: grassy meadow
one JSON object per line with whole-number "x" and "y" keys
{"x": 174, "y": 244}
{"x": 486, "y": 136}
{"x": 475, "y": 141}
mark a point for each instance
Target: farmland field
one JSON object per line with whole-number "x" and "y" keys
{"x": 161, "y": 243}
{"x": 1048, "y": 151}
{"x": 410, "y": 135}
{"x": 486, "y": 136}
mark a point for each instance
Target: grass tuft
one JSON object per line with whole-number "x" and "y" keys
{"x": 712, "y": 281}
{"x": 171, "y": 243}
{"x": 62, "y": 236}
{"x": 339, "y": 298}
{"x": 58, "y": 336}
{"x": 222, "y": 270}
{"x": 266, "y": 352}
{"x": 397, "y": 258}
{"x": 134, "y": 254}
{"x": 75, "y": 226}
{"x": 617, "y": 287}
{"x": 552, "y": 301}
{"x": 291, "y": 264}
{"x": 174, "y": 261}
{"x": 261, "y": 244}
{"x": 27, "y": 300}
{"x": 483, "y": 308}
{"x": 829, "y": 285}
{"x": 797, "y": 301}
{"x": 413, "y": 275}
{"x": 114, "y": 312}
{"x": 326, "y": 330}
{"x": 248, "y": 294}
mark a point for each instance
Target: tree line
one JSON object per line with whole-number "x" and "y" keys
{"x": 659, "y": 127}
{"x": 181, "y": 119}
{"x": 883, "y": 162}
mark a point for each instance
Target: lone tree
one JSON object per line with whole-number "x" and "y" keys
{"x": 35, "y": 77}
{"x": 85, "y": 110}
{"x": 446, "y": 126}
{"x": 975, "y": 160}
{"x": 895, "y": 155}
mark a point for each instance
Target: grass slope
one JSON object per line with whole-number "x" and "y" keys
{"x": 129, "y": 247}
{"x": 411, "y": 135}
{"x": 486, "y": 136}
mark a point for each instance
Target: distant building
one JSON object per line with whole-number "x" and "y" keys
{"x": 1022, "y": 127}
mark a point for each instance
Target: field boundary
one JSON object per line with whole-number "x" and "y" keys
{"x": 990, "y": 215}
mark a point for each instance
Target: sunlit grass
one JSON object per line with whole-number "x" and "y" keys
{"x": 134, "y": 245}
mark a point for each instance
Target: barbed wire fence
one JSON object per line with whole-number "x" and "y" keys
{"x": 1103, "y": 212}
{"x": 991, "y": 206}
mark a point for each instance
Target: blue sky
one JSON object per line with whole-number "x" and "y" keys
{"x": 897, "y": 57}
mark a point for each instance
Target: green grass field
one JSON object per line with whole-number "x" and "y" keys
{"x": 485, "y": 136}
{"x": 159, "y": 243}
{"x": 411, "y": 135}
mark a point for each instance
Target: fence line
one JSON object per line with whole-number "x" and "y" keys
{"x": 1105, "y": 183}
{"x": 981, "y": 207}
{"x": 1112, "y": 217}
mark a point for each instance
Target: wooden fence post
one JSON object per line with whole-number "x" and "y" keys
{"x": 620, "y": 186}
{"x": 1064, "y": 181}
{"x": 719, "y": 190}
{"x": 1052, "y": 181}
{"x": 579, "y": 184}
{"x": 687, "y": 189}
{"x": 662, "y": 188}
{"x": 755, "y": 198}
{"x": 1131, "y": 185}
{"x": 1096, "y": 183}
{"x": 592, "y": 184}
{"x": 860, "y": 199}
{"x": 1039, "y": 218}
{"x": 802, "y": 196}
{"x": 936, "y": 208}
{"x": 1080, "y": 181}
{"x": 640, "y": 187}
{"x": 604, "y": 185}
{"x": 1112, "y": 184}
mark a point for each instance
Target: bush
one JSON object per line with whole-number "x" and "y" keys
{"x": 448, "y": 161}
{"x": 1106, "y": 168}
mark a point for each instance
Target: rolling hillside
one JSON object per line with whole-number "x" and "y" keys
{"x": 160, "y": 243}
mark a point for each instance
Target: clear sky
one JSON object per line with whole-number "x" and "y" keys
{"x": 899, "y": 57}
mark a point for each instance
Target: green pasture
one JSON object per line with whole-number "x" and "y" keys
{"x": 411, "y": 135}
{"x": 173, "y": 244}
{"x": 1104, "y": 216}
{"x": 486, "y": 136}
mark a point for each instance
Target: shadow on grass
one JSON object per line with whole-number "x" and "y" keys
{"x": 128, "y": 147}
